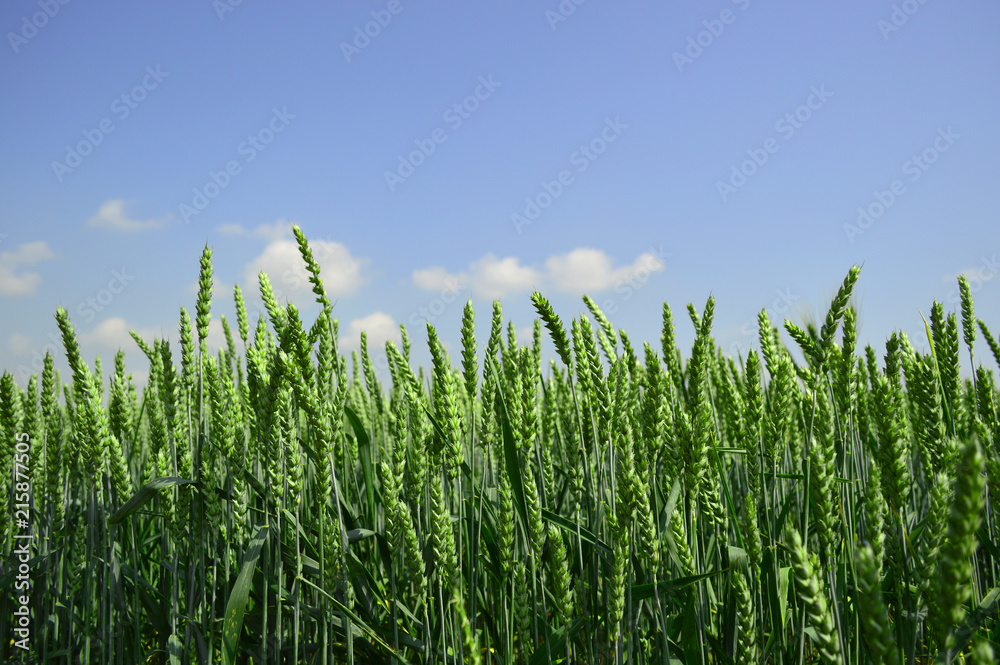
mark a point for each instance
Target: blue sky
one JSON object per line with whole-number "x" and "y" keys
{"x": 433, "y": 153}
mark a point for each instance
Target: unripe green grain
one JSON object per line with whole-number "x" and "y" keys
{"x": 966, "y": 514}
{"x": 276, "y": 311}
{"x": 188, "y": 367}
{"x": 812, "y": 351}
{"x": 968, "y": 312}
{"x": 241, "y": 314}
{"x": 505, "y": 526}
{"x": 371, "y": 381}
{"x": 778, "y": 409}
{"x": 562, "y": 582}
{"x": 746, "y": 644}
{"x": 929, "y": 546}
{"x": 443, "y": 538}
{"x": 814, "y": 600}
{"x": 523, "y": 610}
{"x": 554, "y": 325}
{"x": 872, "y": 608}
{"x": 312, "y": 267}
{"x": 874, "y": 509}
{"x": 753, "y": 419}
{"x": 619, "y": 531}
{"x": 837, "y": 308}
{"x": 609, "y": 342}
{"x": 470, "y": 365}
{"x": 751, "y": 535}
{"x": 678, "y": 536}
{"x": 922, "y": 382}
{"x": 204, "y": 295}
{"x": 994, "y": 344}
{"x": 766, "y": 340}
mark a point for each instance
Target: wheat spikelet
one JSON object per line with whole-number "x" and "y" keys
{"x": 873, "y": 612}
{"x": 966, "y": 514}
{"x": 753, "y": 421}
{"x": 204, "y": 315}
{"x": 836, "y": 311}
{"x": 994, "y": 344}
{"x": 751, "y": 534}
{"x": 815, "y": 602}
{"x": 618, "y": 526}
{"x": 554, "y": 325}
{"x": 746, "y": 645}
{"x": 874, "y": 509}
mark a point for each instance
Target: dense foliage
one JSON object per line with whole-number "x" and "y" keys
{"x": 621, "y": 505}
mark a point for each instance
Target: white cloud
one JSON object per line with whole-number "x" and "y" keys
{"x": 111, "y": 215}
{"x": 112, "y": 334}
{"x": 20, "y": 345}
{"x": 489, "y": 277}
{"x": 981, "y": 273}
{"x": 380, "y": 328}
{"x": 586, "y": 270}
{"x": 275, "y": 231}
{"x": 583, "y": 270}
{"x": 341, "y": 272}
{"x": 278, "y": 230}
{"x": 27, "y": 254}
{"x": 231, "y": 230}
{"x": 439, "y": 279}
{"x": 493, "y": 278}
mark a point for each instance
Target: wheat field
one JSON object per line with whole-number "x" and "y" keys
{"x": 615, "y": 505}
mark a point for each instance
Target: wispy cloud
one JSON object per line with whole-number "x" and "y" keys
{"x": 278, "y": 230}
{"x": 13, "y": 282}
{"x": 583, "y": 270}
{"x": 113, "y": 333}
{"x": 20, "y": 345}
{"x": 433, "y": 279}
{"x": 111, "y": 215}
